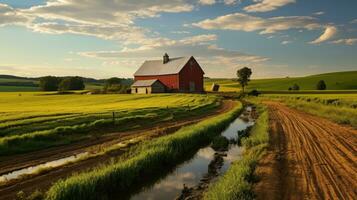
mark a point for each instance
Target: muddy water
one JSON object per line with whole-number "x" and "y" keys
{"x": 33, "y": 169}
{"x": 192, "y": 172}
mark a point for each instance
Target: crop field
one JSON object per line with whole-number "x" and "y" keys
{"x": 34, "y": 120}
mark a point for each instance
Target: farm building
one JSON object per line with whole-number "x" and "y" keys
{"x": 147, "y": 87}
{"x": 182, "y": 74}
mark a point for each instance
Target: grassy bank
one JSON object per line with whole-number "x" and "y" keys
{"x": 35, "y": 121}
{"x": 236, "y": 183}
{"x": 146, "y": 159}
{"x": 340, "y": 108}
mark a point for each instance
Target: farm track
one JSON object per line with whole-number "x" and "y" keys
{"x": 308, "y": 158}
{"x": 44, "y": 181}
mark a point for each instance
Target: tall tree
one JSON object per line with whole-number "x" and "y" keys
{"x": 243, "y": 75}
{"x": 321, "y": 85}
{"x": 71, "y": 83}
{"x": 49, "y": 83}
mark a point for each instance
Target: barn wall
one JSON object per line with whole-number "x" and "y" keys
{"x": 170, "y": 81}
{"x": 192, "y": 72}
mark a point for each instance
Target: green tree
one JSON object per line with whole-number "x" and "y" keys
{"x": 49, "y": 83}
{"x": 244, "y": 76}
{"x": 321, "y": 85}
{"x": 115, "y": 85}
{"x": 295, "y": 87}
{"x": 71, "y": 83}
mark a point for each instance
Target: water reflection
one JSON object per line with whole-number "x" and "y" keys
{"x": 33, "y": 169}
{"x": 191, "y": 172}
{"x": 188, "y": 173}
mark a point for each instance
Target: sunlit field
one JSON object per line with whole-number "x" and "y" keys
{"x": 46, "y": 119}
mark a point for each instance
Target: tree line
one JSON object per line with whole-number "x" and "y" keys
{"x": 53, "y": 83}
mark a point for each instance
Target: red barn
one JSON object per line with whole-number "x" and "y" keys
{"x": 182, "y": 74}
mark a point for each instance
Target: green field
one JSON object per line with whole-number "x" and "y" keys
{"x": 334, "y": 81}
{"x": 36, "y": 120}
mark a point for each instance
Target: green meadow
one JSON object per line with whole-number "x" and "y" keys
{"x": 334, "y": 81}
{"x": 36, "y": 120}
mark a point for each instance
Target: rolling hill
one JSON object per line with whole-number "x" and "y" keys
{"x": 334, "y": 81}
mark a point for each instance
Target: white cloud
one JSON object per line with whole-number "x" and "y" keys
{"x": 329, "y": 33}
{"x": 267, "y": 5}
{"x": 231, "y": 2}
{"x": 8, "y": 15}
{"x": 319, "y": 13}
{"x": 109, "y": 12}
{"x": 354, "y": 21}
{"x": 348, "y": 41}
{"x": 248, "y": 23}
{"x": 286, "y": 42}
{"x": 207, "y": 2}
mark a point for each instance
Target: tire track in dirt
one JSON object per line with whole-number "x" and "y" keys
{"x": 308, "y": 158}
{"x": 44, "y": 181}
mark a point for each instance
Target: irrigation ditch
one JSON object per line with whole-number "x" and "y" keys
{"x": 190, "y": 178}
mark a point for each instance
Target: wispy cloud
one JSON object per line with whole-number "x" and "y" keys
{"x": 285, "y": 42}
{"x": 348, "y": 41}
{"x": 248, "y": 23}
{"x": 267, "y": 5}
{"x": 207, "y": 2}
{"x": 329, "y": 33}
{"x": 8, "y": 15}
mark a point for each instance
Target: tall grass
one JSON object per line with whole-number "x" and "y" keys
{"x": 236, "y": 183}
{"x": 148, "y": 158}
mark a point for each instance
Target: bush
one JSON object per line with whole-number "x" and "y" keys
{"x": 321, "y": 85}
{"x": 295, "y": 87}
{"x": 49, "y": 83}
{"x": 71, "y": 83}
{"x": 220, "y": 143}
{"x": 254, "y": 93}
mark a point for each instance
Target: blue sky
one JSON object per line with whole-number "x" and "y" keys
{"x": 102, "y": 39}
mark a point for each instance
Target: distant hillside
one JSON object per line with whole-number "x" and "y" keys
{"x": 10, "y": 83}
{"x": 334, "y": 81}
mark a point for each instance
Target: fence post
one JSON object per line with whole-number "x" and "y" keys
{"x": 113, "y": 117}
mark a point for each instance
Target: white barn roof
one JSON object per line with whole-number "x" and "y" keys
{"x": 144, "y": 83}
{"x": 157, "y": 67}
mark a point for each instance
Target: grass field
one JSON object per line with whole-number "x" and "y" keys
{"x": 144, "y": 160}
{"x": 334, "y": 81}
{"x": 35, "y": 120}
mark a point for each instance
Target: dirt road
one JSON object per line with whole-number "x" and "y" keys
{"x": 308, "y": 158}
{"x": 43, "y": 181}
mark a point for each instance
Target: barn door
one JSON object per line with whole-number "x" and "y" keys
{"x": 192, "y": 86}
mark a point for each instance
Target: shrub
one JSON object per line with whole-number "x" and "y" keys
{"x": 71, "y": 83}
{"x": 220, "y": 143}
{"x": 321, "y": 85}
{"x": 49, "y": 83}
{"x": 295, "y": 87}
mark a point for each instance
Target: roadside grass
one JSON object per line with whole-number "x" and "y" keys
{"x": 144, "y": 160}
{"x": 32, "y": 121}
{"x": 341, "y": 109}
{"x": 237, "y": 182}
